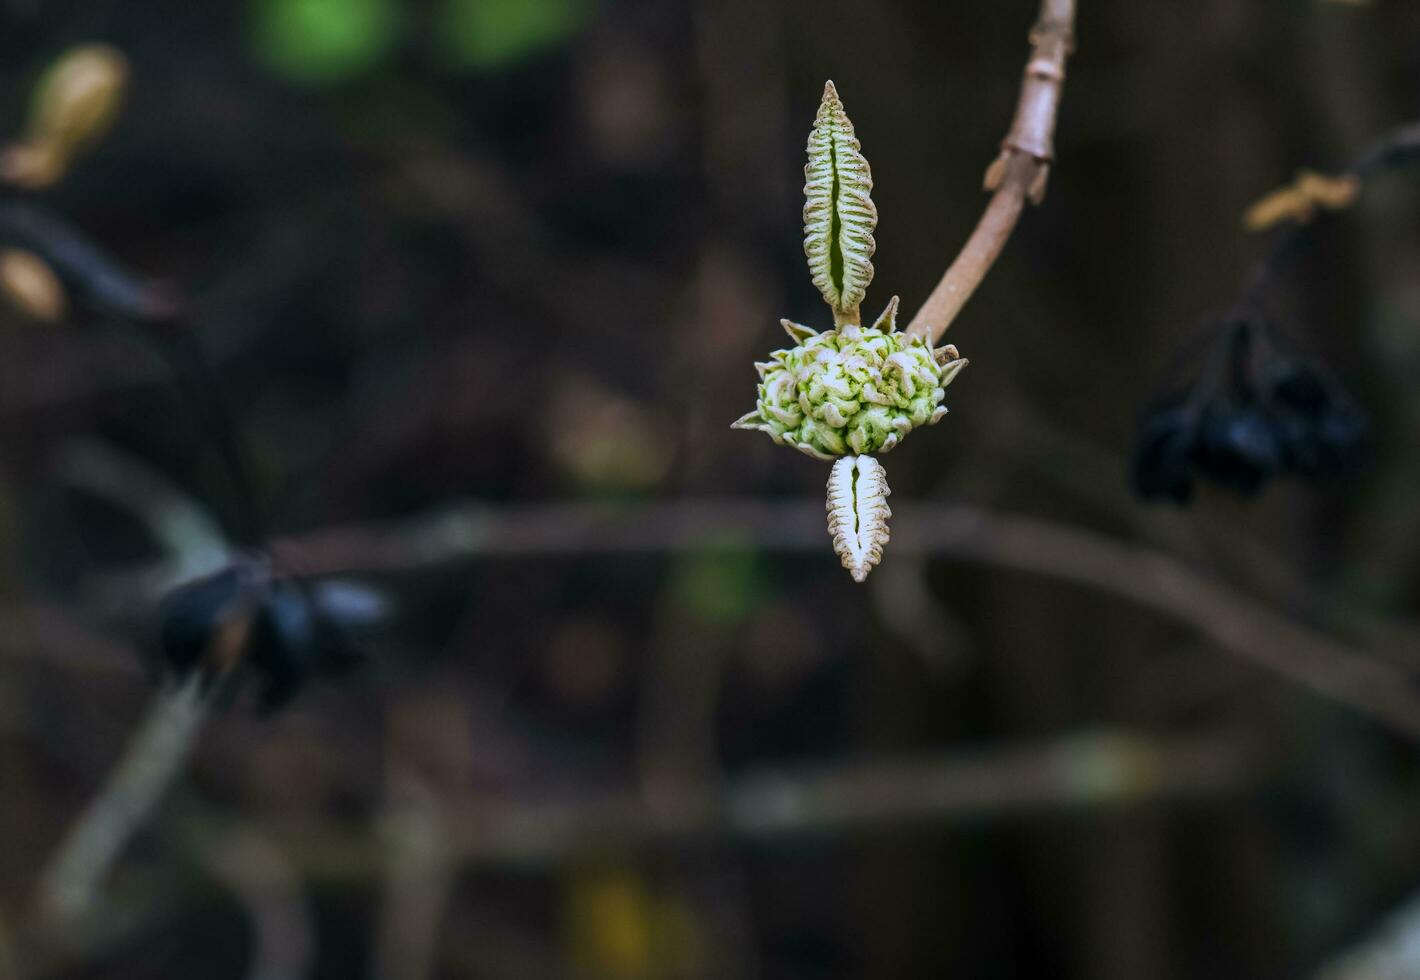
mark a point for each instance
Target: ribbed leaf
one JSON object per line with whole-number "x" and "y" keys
{"x": 858, "y": 513}
{"x": 839, "y": 216}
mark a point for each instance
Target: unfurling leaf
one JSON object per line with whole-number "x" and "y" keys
{"x": 858, "y": 513}
{"x": 1299, "y": 200}
{"x": 74, "y": 105}
{"x": 30, "y": 286}
{"x": 839, "y": 216}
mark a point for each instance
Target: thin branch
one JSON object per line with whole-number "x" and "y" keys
{"x": 163, "y": 318}
{"x": 191, "y": 542}
{"x": 97, "y": 276}
{"x": 264, "y": 881}
{"x": 1094, "y": 770}
{"x": 152, "y": 761}
{"x": 1244, "y": 626}
{"x": 1398, "y": 149}
{"x": 1391, "y": 952}
{"x": 1020, "y": 172}
{"x": 413, "y": 833}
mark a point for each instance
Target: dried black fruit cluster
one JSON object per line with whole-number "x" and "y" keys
{"x": 1256, "y": 410}
{"x": 273, "y": 630}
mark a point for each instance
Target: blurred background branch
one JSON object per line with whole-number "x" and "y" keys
{"x": 273, "y": 895}
{"x": 1391, "y": 951}
{"x": 71, "y": 883}
{"x": 1366, "y": 680}
{"x": 1081, "y": 772}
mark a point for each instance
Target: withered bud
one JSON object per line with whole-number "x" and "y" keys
{"x": 74, "y": 106}
{"x": 30, "y": 286}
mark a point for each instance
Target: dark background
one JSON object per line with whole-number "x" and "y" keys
{"x": 495, "y": 254}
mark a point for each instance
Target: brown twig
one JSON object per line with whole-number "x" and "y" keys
{"x": 1244, "y": 626}
{"x": 1019, "y": 173}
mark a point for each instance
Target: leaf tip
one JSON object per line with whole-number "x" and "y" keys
{"x": 797, "y": 332}
{"x": 887, "y": 322}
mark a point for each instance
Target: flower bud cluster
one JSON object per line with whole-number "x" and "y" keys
{"x": 852, "y": 390}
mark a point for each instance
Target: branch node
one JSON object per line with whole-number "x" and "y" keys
{"x": 1036, "y": 193}
{"x": 1019, "y": 173}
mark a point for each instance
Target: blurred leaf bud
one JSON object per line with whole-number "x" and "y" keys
{"x": 605, "y": 440}
{"x": 30, "y": 286}
{"x": 74, "y": 106}
{"x": 1300, "y": 200}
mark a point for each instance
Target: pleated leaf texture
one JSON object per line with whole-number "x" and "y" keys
{"x": 839, "y": 214}
{"x": 858, "y": 513}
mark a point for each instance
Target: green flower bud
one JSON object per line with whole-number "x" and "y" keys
{"x": 851, "y": 391}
